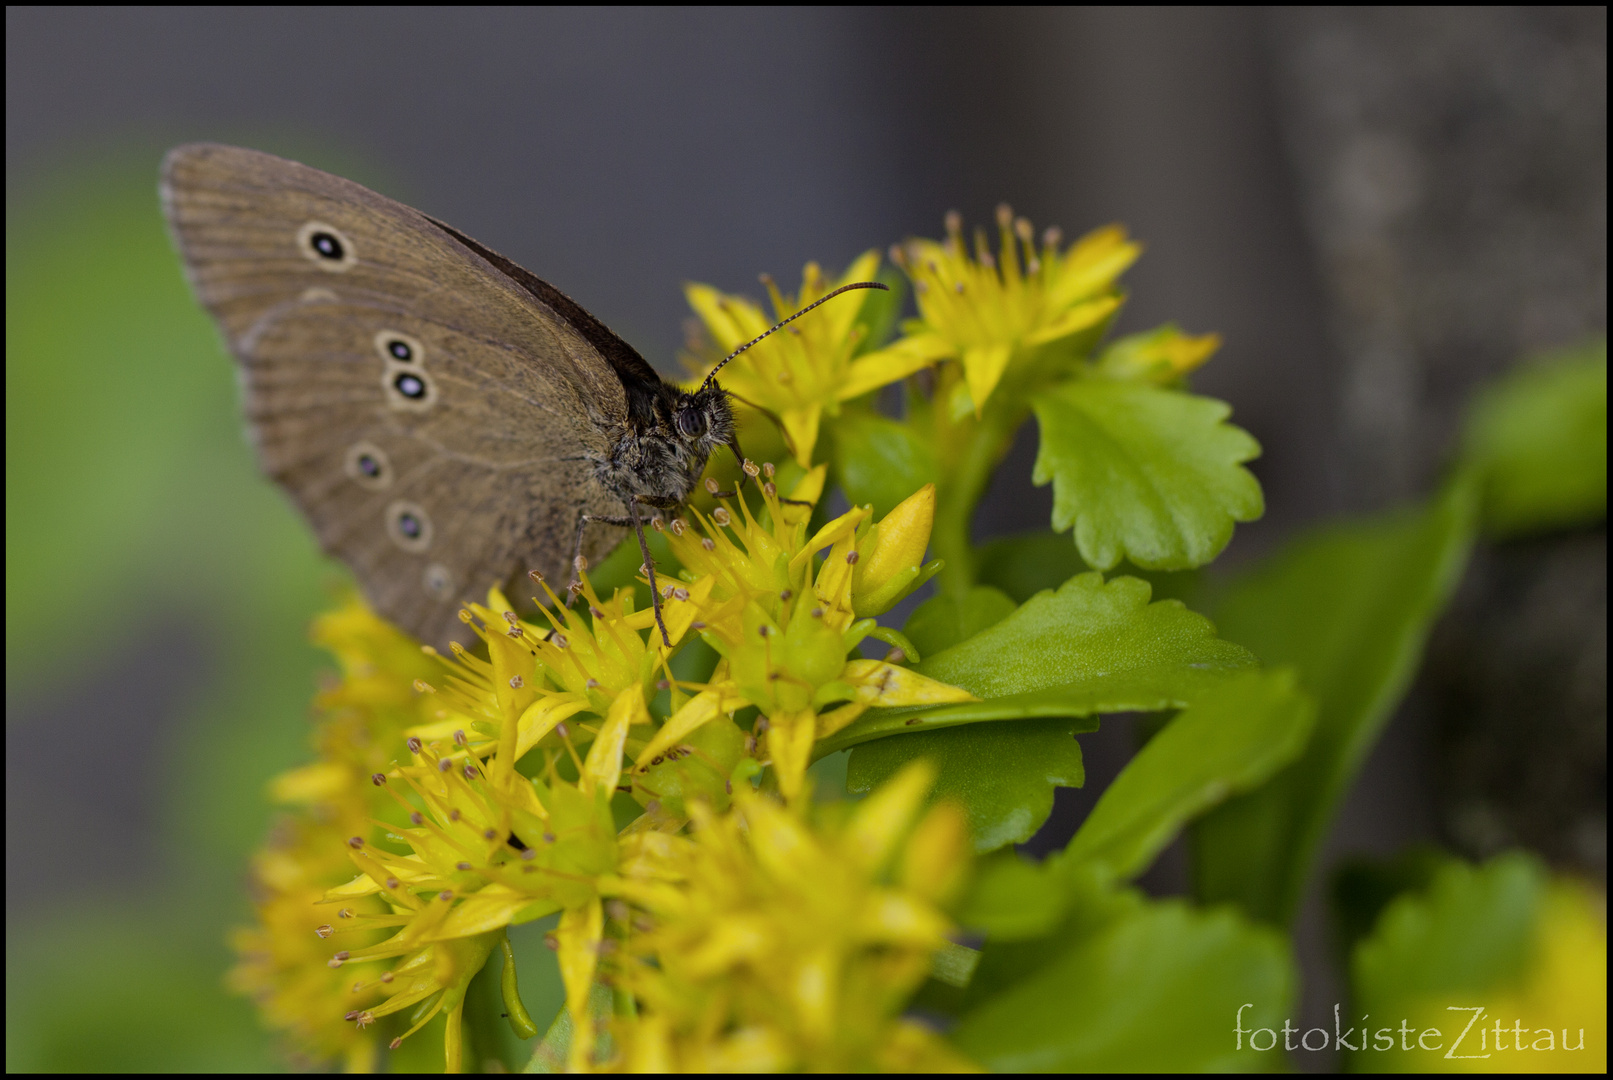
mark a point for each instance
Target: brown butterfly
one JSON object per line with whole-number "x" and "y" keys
{"x": 445, "y": 420}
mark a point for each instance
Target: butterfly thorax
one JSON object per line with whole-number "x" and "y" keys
{"x": 658, "y": 455}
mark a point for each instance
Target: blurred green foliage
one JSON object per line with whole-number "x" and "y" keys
{"x": 1539, "y": 439}
{"x": 133, "y": 504}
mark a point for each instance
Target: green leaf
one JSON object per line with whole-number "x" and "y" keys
{"x": 879, "y": 460}
{"x": 1143, "y": 473}
{"x": 1002, "y": 774}
{"x": 1469, "y": 930}
{"x": 1539, "y": 440}
{"x": 1156, "y": 989}
{"x": 1091, "y": 633}
{"x": 1350, "y": 606}
{"x": 1089, "y": 648}
{"x": 1230, "y": 739}
{"x": 1503, "y": 947}
{"x": 948, "y": 618}
{"x": 1011, "y": 898}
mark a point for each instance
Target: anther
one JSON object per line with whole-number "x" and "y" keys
{"x": 535, "y": 576}
{"x": 444, "y": 765}
{"x": 510, "y": 617}
{"x": 355, "y": 842}
{"x": 454, "y": 815}
{"x": 562, "y": 730}
{"x": 816, "y": 613}
{"x": 750, "y": 468}
{"x": 470, "y": 771}
{"x": 462, "y": 866}
{"x": 414, "y": 744}
{"x": 697, "y": 626}
{"x": 666, "y": 592}
{"x": 580, "y": 563}
{"x": 678, "y": 526}
{"x": 895, "y": 656}
{"x": 387, "y": 976}
{"x": 445, "y": 895}
{"x": 417, "y": 818}
{"x": 708, "y": 543}
{"x": 680, "y": 594}
{"x": 1052, "y": 236}
{"x": 617, "y": 910}
{"x": 592, "y": 684}
{"x": 1005, "y": 215}
{"x": 595, "y": 612}
{"x": 392, "y": 883}
{"x": 459, "y": 737}
{"x": 767, "y": 468}
{"x": 325, "y": 931}
{"x": 711, "y": 486}
{"x": 1023, "y": 230}
{"x": 954, "y": 221}
{"x": 421, "y": 686}
{"x": 657, "y": 524}
{"x": 763, "y": 630}
{"x": 516, "y": 631}
{"x": 559, "y": 640}
{"x": 344, "y": 913}
{"x": 516, "y": 682}
{"x": 770, "y": 489}
{"x": 529, "y": 854}
{"x": 378, "y": 779}
{"x": 662, "y": 684}
{"x": 852, "y": 557}
{"x": 785, "y": 595}
{"x": 721, "y": 516}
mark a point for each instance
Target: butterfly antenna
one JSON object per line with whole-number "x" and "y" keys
{"x": 780, "y": 325}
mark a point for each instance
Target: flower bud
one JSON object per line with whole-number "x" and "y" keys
{"x": 892, "y": 553}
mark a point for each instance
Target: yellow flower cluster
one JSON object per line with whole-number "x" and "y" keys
{"x": 472, "y": 844}
{"x": 767, "y": 941}
{"x": 748, "y": 929}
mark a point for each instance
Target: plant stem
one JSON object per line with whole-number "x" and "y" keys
{"x": 970, "y": 450}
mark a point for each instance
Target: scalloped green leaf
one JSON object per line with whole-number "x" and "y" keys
{"x": 1229, "y": 740}
{"x": 1091, "y": 647}
{"x": 1143, "y": 473}
{"x": 1350, "y": 606}
{"x": 1088, "y": 648}
{"x": 1098, "y": 1003}
{"x": 1002, "y": 774}
{"x": 1539, "y": 441}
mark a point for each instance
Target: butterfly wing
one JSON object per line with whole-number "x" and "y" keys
{"x": 436, "y": 422}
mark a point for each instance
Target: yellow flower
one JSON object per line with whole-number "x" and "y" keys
{"x": 988, "y": 310}
{"x": 809, "y": 367}
{"x": 784, "y": 632}
{"x": 282, "y": 957}
{"x": 770, "y": 941}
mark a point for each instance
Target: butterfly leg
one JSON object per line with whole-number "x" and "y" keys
{"x": 649, "y": 560}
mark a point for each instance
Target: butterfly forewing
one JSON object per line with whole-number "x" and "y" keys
{"x": 433, "y": 420}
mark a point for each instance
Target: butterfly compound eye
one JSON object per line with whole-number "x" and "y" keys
{"x": 691, "y": 421}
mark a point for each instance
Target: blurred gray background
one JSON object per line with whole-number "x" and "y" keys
{"x": 1377, "y": 209}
